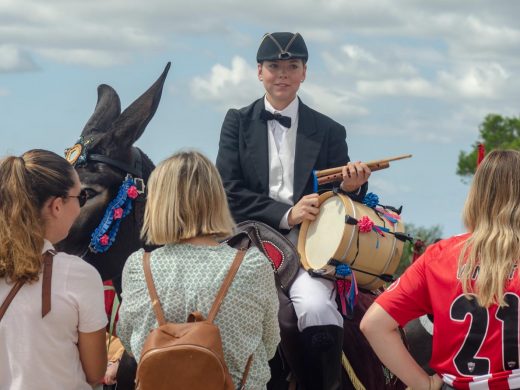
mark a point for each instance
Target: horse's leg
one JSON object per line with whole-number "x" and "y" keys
{"x": 289, "y": 355}
{"x": 126, "y": 372}
{"x": 419, "y": 341}
{"x": 365, "y": 364}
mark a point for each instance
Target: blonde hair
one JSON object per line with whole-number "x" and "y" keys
{"x": 26, "y": 183}
{"x": 492, "y": 215}
{"x": 185, "y": 199}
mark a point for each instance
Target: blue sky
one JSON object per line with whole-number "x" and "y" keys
{"x": 402, "y": 76}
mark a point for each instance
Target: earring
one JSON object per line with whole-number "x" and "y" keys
{"x": 303, "y": 80}
{"x": 261, "y": 79}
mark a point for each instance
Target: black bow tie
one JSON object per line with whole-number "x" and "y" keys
{"x": 283, "y": 120}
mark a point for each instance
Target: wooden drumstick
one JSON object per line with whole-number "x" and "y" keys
{"x": 335, "y": 174}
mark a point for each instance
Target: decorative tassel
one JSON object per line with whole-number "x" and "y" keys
{"x": 347, "y": 289}
{"x": 481, "y": 153}
{"x": 314, "y": 182}
{"x": 391, "y": 218}
{"x": 379, "y": 230}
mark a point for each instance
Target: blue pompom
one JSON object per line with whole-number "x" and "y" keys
{"x": 371, "y": 200}
{"x": 343, "y": 270}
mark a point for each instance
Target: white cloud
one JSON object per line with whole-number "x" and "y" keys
{"x": 332, "y": 101}
{"x": 95, "y": 58}
{"x": 356, "y": 53}
{"x": 398, "y": 87}
{"x": 358, "y": 62}
{"x": 476, "y": 81}
{"x": 123, "y": 27}
{"x": 477, "y": 39}
{"x": 13, "y": 59}
{"x": 228, "y": 86}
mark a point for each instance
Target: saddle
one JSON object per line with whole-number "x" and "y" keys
{"x": 364, "y": 364}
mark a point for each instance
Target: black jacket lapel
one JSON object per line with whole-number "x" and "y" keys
{"x": 308, "y": 146}
{"x": 255, "y": 136}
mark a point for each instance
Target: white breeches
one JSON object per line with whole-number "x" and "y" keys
{"x": 314, "y": 301}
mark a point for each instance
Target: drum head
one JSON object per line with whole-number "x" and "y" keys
{"x": 322, "y": 243}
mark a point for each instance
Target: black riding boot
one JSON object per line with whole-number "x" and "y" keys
{"x": 323, "y": 346}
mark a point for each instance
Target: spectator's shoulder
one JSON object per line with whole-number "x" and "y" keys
{"x": 77, "y": 272}
{"x": 75, "y": 264}
{"x": 255, "y": 261}
{"x": 448, "y": 246}
{"x": 135, "y": 259}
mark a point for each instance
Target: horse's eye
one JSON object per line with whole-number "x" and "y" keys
{"x": 91, "y": 193}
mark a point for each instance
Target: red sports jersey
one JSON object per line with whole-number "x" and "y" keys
{"x": 473, "y": 347}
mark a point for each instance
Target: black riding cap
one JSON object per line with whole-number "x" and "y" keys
{"x": 282, "y": 46}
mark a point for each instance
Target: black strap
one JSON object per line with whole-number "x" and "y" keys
{"x": 135, "y": 168}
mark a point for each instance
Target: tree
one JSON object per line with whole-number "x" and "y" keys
{"x": 496, "y": 132}
{"x": 428, "y": 235}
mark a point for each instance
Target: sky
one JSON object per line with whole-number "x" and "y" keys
{"x": 403, "y": 77}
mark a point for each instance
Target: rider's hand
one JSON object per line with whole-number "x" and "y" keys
{"x": 355, "y": 174}
{"x": 306, "y": 208}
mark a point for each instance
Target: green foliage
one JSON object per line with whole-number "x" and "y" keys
{"x": 426, "y": 234}
{"x": 496, "y": 132}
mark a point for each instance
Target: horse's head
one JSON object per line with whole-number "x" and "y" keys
{"x": 106, "y": 162}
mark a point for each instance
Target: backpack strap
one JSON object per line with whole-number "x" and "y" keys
{"x": 246, "y": 372}
{"x": 225, "y": 285}
{"x": 46, "y": 286}
{"x": 156, "y": 304}
{"x": 220, "y": 297}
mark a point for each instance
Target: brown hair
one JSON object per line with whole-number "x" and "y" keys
{"x": 492, "y": 214}
{"x": 26, "y": 183}
{"x": 186, "y": 199}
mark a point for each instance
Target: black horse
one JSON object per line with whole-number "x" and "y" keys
{"x": 104, "y": 158}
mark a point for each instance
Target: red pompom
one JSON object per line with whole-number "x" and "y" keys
{"x": 132, "y": 192}
{"x": 104, "y": 240}
{"x": 365, "y": 224}
{"x": 118, "y": 213}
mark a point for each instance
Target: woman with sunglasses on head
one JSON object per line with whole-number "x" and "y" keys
{"x": 52, "y": 317}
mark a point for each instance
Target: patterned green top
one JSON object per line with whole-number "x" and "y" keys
{"x": 187, "y": 278}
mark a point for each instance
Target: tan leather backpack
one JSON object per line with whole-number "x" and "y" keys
{"x": 186, "y": 355}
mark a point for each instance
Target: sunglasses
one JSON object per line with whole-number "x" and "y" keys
{"x": 82, "y": 197}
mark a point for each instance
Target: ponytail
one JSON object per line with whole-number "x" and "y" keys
{"x": 26, "y": 183}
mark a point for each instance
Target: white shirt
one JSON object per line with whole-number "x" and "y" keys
{"x": 42, "y": 353}
{"x": 282, "y": 150}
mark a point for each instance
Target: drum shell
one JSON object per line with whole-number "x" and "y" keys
{"x": 330, "y": 237}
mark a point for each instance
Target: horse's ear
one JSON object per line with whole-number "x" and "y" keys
{"x": 131, "y": 123}
{"x": 108, "y": 108}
